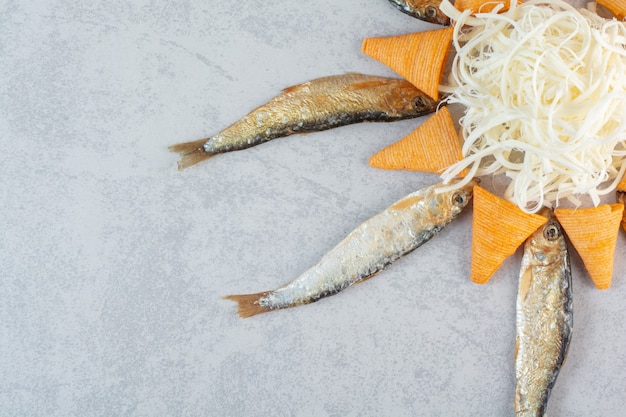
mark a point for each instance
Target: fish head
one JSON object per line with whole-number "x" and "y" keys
{"x": 451, "y": 203}
{"x": 547, "y": 245}
{"x": 426, "y": 10}
{"x": 410, "y": 101}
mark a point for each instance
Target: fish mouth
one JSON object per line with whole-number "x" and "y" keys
{"x": 438, "y": 18}
{"x": 442, "y": 20}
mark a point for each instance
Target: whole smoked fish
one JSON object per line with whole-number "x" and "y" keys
{"x": 368, "y": 249}
{"x": 426, "y": 10}
{"x": 544, "y": 317}
{"x": 316, "y": 105}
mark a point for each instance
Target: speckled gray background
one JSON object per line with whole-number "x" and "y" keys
{"x": 112, "y": 263}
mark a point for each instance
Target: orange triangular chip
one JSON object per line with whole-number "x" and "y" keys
{"x": 483, "y": 6}
{"x": 593, "y": 232}
{"x": 499, "y": 227}
{"x": 418, "y": 57}
{"x": 621, "y": 198}
{"x": 432, "y": 147}
{"x": 617, "y": 7}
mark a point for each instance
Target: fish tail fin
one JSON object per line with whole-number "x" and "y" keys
{"x": 248, "y": 304}
{"x": 191, "y": 153}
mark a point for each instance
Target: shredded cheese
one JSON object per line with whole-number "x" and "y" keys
{"x": 544, "y": 88}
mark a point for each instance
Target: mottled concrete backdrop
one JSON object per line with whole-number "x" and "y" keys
{"x": 112, "y": 263}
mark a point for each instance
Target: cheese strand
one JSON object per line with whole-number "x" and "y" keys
{"x": 544, "y": 88}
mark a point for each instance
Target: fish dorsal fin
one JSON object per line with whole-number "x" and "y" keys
{"x": 363, "y": 85}
{"x": 418, "y": 57}
{"x": 367, "y": 82}
{"x": 432, "y": 147}
{"x": 294, "y": 88}
{"x": 593, "y": 232}
{"x": 499, "y": 227}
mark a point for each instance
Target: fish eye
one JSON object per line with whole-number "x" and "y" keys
{"x": 459, "y": 200}
{"x": 431, "y": 11}
{"x": 551, "y": 232}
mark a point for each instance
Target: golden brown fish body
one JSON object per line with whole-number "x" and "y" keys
{"x": 544, "y": 318}
{"x": 317, "y": 105}
{"x": 371, "y": 247}
{"x": 426, "y": 10}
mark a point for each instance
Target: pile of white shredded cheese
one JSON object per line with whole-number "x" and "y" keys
{"x": 544, "y": 88}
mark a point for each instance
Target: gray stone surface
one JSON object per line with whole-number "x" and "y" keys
{"x": 112, "y": 263}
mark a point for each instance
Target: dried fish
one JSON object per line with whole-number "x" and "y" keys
{"x": 372, "y": 246}
{"x": 320, "y": 104}
{"x": 544, "y": 317}
{"x": 426, "y": 10}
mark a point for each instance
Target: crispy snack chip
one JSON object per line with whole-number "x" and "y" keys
{"x": 483, "y": 6}
{"x": 432, "y": 147}
{"x": 622, "y": 187}
{"x": 418, "y": 57}
{"x": 593, "y": 232}
{"x": 499, "y": 227}
{"x": 617, "y": 7}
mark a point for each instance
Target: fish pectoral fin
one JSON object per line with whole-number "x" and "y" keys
{"x": 296, "y": 132}
{"x": 524, "y": 283}
{"x": 406, "y": 202}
